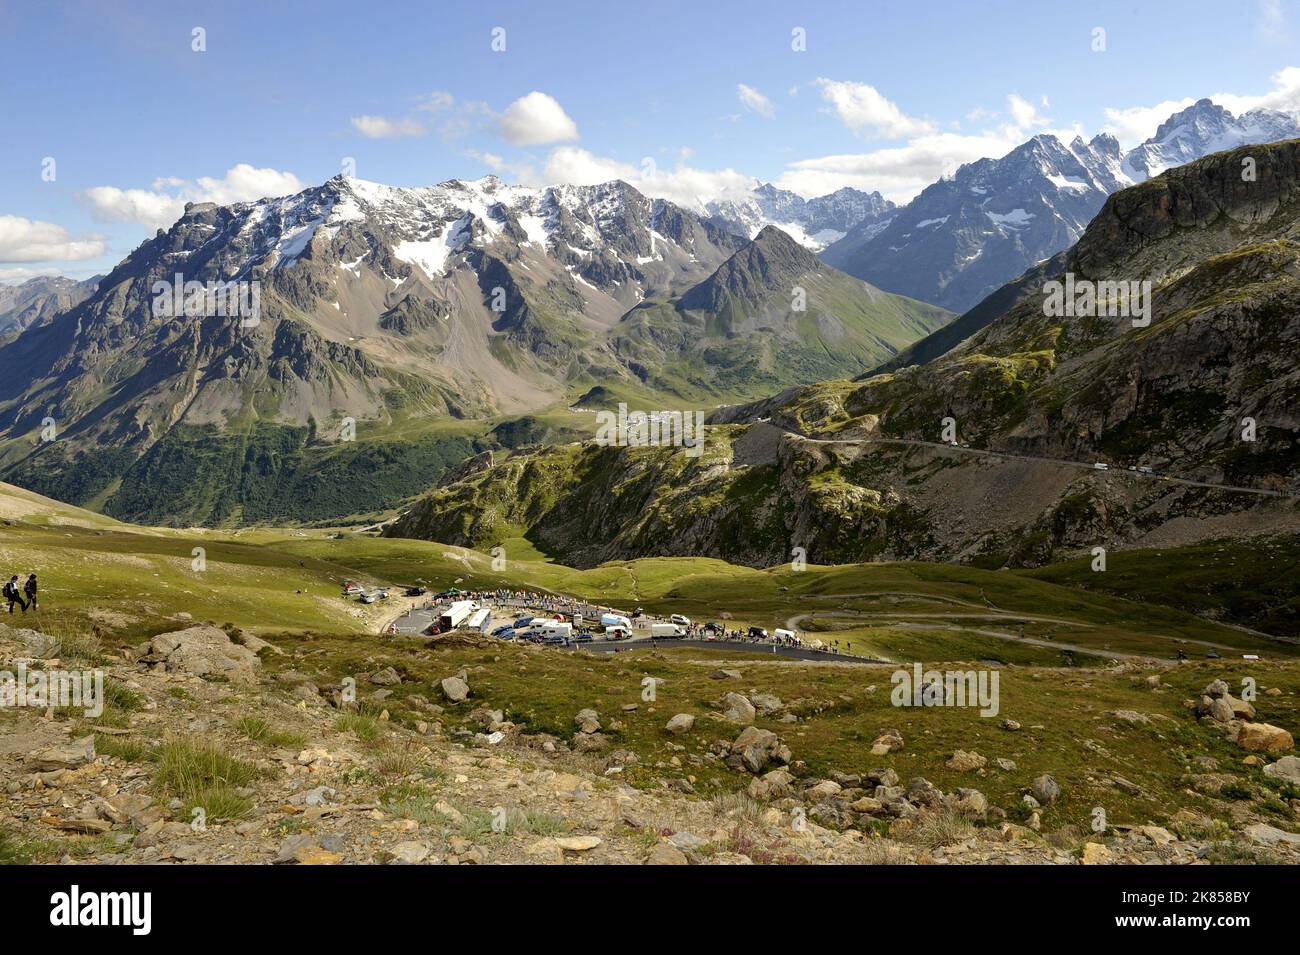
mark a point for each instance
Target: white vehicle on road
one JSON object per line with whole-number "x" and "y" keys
{"x": 667, "y": 630}
{"x": 1101, "y": 467}
{"x": 456, "y": 614}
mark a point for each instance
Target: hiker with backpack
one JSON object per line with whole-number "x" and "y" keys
{"x": 29, "y": 589}
{"x": 14, "y": 595}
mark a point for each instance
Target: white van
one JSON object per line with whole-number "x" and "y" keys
{"x": 790, "y": 635}
{"x": 667, "y": 630}
{"x": 553, "y": 631}
{"x": 679, "y": 619}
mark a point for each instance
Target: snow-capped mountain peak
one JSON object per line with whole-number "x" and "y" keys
{"x": 814, "y": 223}
{"x": 969, "y": 233}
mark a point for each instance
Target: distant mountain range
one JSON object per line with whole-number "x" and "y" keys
{"x": 441, "y": 319}
{"x": 813, "y": 223}
{"x": 38, "y": 300}
{"x": 967, "y": 234}
{"x": 407, "y": 310}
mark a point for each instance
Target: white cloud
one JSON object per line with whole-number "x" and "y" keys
{"x": 432, "y": 104}
{"x": 579, "y": 167}
{"x": 1271, "y": 25}
{"x": 163, "y": 204}
{"x": 684, "y": 185}
{"x": 1133, "y": 124}
{"x": 900, "y": 172}
{"x": 865, "y": 111}
{"x": 25, "y": 240}
{"x": 1024, "y": 113}
{"x": 439, "y": 101}
{"x": 380, "y": 127}
{"x": 536, "y": 119}
{"x": 1285, "y": 95}
{"x": 755, "y": 101}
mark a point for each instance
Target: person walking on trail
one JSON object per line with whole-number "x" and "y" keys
{"x": 29, "y": 589}
{"x": 14, "y": 595}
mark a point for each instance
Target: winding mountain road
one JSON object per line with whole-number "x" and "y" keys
{"x": 1083, "y": 465}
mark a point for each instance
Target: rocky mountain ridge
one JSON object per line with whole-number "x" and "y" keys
{"x": 968, "y": 234}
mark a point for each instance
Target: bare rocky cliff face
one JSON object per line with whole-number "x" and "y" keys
{"x": 1204, "y": 389}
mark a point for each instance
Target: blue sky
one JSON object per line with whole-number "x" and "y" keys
{"x": 886, "y": 96}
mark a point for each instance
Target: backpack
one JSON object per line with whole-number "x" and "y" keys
{"x": 11, "y": 589}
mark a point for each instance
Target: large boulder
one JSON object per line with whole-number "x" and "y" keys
{"x": 65, "y": 756}
{"x": 1264, "y": 738}
{"x": 737, "y": 708}
{"x": 681, "y": 723}
{"x": 773, "y": 785}
{"x": 969, "y": 802}
{"x": 964, "y": 762}
{"x": 454, "y": 689}
{"x": 31, "y": 643}
{"x": 1287, "y": 768}
{"x": 202, "y": 650}
{"x": 1046, "y": 789}
{"x": 887, "y": 742}
{"x": 756, "y": 747}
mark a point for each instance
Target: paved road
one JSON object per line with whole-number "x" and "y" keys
{"x": 1084, "y": 465}
{"x": 789, "y": 653}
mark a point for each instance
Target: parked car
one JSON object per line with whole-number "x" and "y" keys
{"x": 500, "y": 630}
{"x": 416, "y": 591}
{"x": 758, "y": 633}
{"x": 505, "y": 633}
{"x": 712, "y": 627}
{"x": 679, "y": 619}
